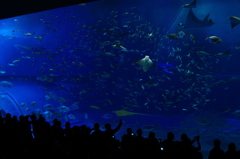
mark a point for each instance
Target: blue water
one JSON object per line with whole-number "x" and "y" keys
{"x": 78, "y": 64}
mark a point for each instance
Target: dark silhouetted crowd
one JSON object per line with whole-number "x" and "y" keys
{"x": 33, "y": 137}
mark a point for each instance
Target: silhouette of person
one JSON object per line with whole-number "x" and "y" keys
{"x": 169, "y": 147}
{"x": 231, "y": 153}
{"x": 127, "y": 142}
{"x": 109, "y": 133}
{"x": 216, "y": 152}
{"x": 96, "y": 138}
{"x": 110, "y": 143}
{"x": 152, "y": 146}
{"x": 188, "y": 150}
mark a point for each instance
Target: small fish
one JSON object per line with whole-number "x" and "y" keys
{"x": 34, "y": 104}
{"x": 105, "y": 43}
{"x": 226, "y": 110}
{"x": 71, "y": 117}
{"x": 214, "y": 39}
{"x": 149, "y": 128}
{"x": 119, "y": 46}
{"x": 226, "y": 53}
{"x": 16, "y": 61}
{"x": 181, "y": 23}
{"x": 44, "y": 78}
{"x": 237, "y": 113}
{"x": 172, "y": 36}
{"x": 106, "y": 75}
{"x": 94, "y": 107}
{"x": 47, "y": 113}
{"x": 107, "y": 116}
{"x": 63, "y": 109}
{"x": 150, "y": 83}
{"x": 49, "y": 106}
{"x": 202, "y": 53}
{"x": 62, "y": 100}
{"x": 23, "y": 105}
{"x": 6, "y": 84}
{"x": 29, "y": 34}
{"x": 37, "y": 111}
{"x": 109, "y": 54}
{"x": 74, "y": 106}
{"x": 181, "y": 34}
{"x": 27, "y": 57}
{"x": 82, "y": 4}
{"x": 11, "y": 64}
{"x": 190, "y": 5}
{"x": 59, "y": 117}
{"x": 27, "y": 109}
{"x": 47, "y": 97}
{"x": 40, "y": 38}
{"x": 192, "y": 38}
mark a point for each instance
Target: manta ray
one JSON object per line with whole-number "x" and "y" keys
{"x": 234, "y": 21}
{"x": 193, "y": 22}
{"x": 146, "y": 63}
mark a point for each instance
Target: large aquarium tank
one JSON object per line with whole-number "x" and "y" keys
{"x": 169, "y": 65}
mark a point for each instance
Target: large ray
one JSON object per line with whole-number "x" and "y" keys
{"x": 234, "y": 21}
{"x": 193, "y": 22}
{"x": 146, "y": 63}
{"x": 123, "y": 112}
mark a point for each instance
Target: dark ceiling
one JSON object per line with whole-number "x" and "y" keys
{"x": 12, "y": 8}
